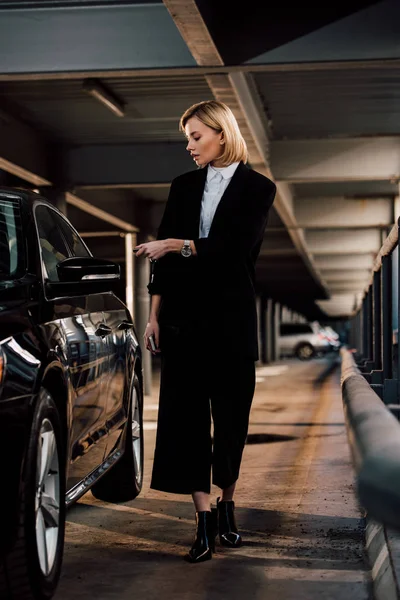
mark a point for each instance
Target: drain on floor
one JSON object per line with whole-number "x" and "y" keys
{"x": 268, "y": 438}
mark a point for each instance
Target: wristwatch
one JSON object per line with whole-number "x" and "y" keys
{"x": 186, "y": 249}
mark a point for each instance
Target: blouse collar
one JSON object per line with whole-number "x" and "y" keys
{"x": 226, "y": 172}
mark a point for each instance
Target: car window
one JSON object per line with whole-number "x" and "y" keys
{"x": 12, "y": 253}
{"x": 285, "y": 329}
{"x": 52, "y": 243}
{"x": 73, "y": 240}
{"x": 295, "y": 328}
{"x": 305, "y": 329}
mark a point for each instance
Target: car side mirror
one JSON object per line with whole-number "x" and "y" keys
{"x": 86, "y": 269}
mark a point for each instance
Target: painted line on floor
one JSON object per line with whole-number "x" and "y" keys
{"x": 272, "y": 370}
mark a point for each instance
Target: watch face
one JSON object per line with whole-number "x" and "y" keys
{"x": 186, "y": 251}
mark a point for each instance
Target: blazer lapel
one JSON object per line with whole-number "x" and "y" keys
{"x": 230, "y": 197}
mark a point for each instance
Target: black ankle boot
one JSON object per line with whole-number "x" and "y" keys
{"x": 204, "y": 543}
{"x": 228, "y": 533}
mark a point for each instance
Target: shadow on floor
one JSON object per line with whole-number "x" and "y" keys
{"x": 268, "y": 438}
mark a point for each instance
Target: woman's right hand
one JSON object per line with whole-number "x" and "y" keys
{"x": 152, "y": 328}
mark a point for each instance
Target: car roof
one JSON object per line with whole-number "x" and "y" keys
{"x": 27, "y": 196}
{"x": 22, "y": 193}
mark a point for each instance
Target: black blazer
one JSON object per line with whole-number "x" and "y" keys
{"x": 213, "y": 292}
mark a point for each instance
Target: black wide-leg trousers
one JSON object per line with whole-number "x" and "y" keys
{"x": 196, "y": 384}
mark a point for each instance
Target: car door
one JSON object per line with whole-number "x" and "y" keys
{"x": 119, "y": 328}
{"x": 118, "y": 319}
{"x": 80, "y": 346}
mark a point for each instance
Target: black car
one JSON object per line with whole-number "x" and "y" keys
{"x": 70, "y": 389}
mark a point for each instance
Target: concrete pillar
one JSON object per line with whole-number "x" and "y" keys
{"x": 268, "y": 329}
{"x": 259, "y": 333}
{"x": 286, "y": 315}
{"x": 395, "y": 289}
{"x": 130, "y": 243}
{"x": 396, "y": 206}
{"x": 264, "y": 327}
{"x": 276, "y": 329}
{"x": 142, "y": 303}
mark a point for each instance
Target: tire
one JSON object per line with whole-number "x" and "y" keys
{"x": 124, "y": 481}
{"x": 31, "y": 570}
{"x": 305, "y": 351}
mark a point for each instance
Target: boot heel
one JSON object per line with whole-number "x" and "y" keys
{"x": 204, "y": 543}
{"x": 228, "y": 532}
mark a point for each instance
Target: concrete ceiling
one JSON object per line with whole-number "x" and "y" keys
{"x": 316, "y": 93}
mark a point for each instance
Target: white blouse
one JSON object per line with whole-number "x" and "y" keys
{"x": 216, "y": 183}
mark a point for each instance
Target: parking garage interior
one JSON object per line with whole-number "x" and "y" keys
{"x": 91, "y": 93}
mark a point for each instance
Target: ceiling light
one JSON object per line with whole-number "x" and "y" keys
{"x": 98, "y": 90}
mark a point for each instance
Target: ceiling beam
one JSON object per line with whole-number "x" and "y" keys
{"x": 339, "y": 304}
{"x": 100, "y": 213}
{"x": 290, "y": 67}
{"x": 126, "y": 186}
{"x": 332, "y": 275}
{"x": 356, "y": 159}
{"x": 194, "y": 31}
{"x": 345, "y": 262}
{"x": 347, "y": 286}
{"x": 238, "y": 92}
{"x": 344, "y": 242}
{"x": 342, "y": 212}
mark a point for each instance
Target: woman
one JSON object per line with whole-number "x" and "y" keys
{"x": 203, "y": 319}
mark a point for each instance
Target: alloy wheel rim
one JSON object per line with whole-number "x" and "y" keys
{"x": 47, "y": 500}
{"x": 305, "y": 352}
{"x": 136, "y": 436}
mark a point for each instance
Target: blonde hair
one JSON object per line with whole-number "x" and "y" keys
{"x": 221, "y": 119}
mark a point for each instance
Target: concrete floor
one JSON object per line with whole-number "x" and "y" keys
{"x": 296, "y": 509}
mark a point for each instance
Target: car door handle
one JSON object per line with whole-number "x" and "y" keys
{"x": 125, "y": 325}
{"x": 103, "y": 330}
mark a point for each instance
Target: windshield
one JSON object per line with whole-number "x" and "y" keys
{"x": 11, "y": 241}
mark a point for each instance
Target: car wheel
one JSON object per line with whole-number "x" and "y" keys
{"x": 30, "y": 571}
{"x": 304, "y": 351}
{"x": 124, "y": 481}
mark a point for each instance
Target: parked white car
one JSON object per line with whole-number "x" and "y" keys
{"x": 304, "y": 340}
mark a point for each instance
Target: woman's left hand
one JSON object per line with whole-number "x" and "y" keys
{"x": 153, "y": 250}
